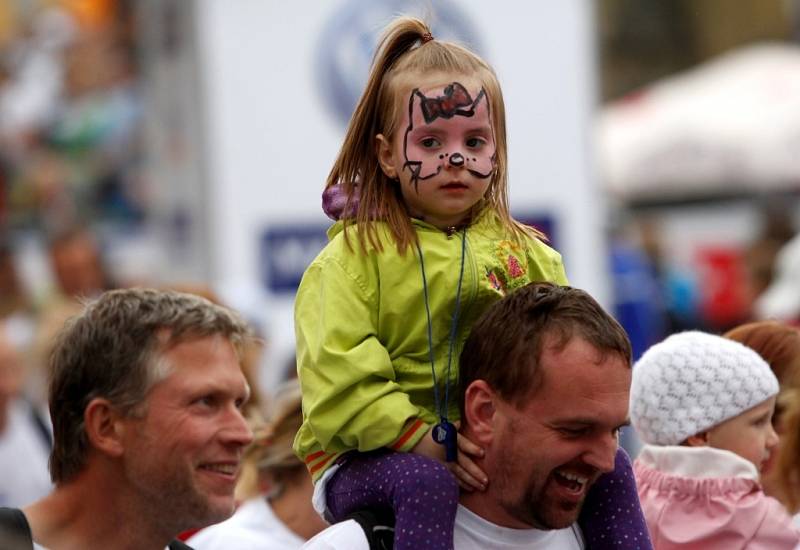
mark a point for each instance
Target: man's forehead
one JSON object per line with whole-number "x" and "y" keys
{"x": 576, "y": 366}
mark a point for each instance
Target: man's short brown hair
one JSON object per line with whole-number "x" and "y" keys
{"x": 505, "y": 345}
{"x": 112, "y": 349}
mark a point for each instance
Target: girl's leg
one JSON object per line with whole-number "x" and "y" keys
{"x": 421, "y": 491}
{"x": 612, "y": 516}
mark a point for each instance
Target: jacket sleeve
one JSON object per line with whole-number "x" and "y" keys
{"x": 351, "y": 399}
{"x": 545, "y": 263}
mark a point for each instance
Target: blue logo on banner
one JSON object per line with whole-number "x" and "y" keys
{"x": 349, "y": 38}
{"x": 285, "y": 253}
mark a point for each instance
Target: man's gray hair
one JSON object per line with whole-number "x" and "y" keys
{"x": 112, "y": 350}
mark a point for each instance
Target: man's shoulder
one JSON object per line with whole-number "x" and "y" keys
{"x": 15, "y": 532}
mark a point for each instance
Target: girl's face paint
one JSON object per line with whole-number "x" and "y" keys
{"x": 448, "y": 126}
{"x": 444, "y": 153}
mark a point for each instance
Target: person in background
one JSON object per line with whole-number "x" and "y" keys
{"x": 779, "y": 345}
{"x": 275, "y": 489}
{"x": 703, "y": 405}
{"x": 786, "y": 467}
{"x": 145, "y": 395}
{"x": 781, "y": 298}
{"x": 25, "y": 438}
{"x": 77, "y": 263}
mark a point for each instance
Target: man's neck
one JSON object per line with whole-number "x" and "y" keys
{"x": 79, "y": 515}
{"x": 484, "y": 505}
{"x": 487, "y": 505}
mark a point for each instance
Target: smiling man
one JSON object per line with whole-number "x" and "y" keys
{"x": 146, "y": 392}
{"x": 545, "y": 376}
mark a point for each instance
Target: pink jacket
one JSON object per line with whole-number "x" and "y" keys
{"x": 709, "y": 499}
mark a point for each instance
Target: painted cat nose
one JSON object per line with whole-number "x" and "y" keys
{"x": 456, "y": 159}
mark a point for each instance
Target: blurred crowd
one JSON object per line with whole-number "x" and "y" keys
{"x": 713, "y": 287}
{"x": 70, "y": 176}
{"x": 70, "y": 115}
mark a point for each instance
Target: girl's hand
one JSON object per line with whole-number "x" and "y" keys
{"x": 428, "y": 447}
{"x": 470, "y": 477}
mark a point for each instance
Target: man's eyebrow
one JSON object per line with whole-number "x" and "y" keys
{"x": 587, "y": 421}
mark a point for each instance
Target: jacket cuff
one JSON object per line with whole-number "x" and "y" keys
{"x": 414, "y": 430}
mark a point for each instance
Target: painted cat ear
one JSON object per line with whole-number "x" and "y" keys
{"x": 415, "y": 114}
{"x": 482, "y": 103}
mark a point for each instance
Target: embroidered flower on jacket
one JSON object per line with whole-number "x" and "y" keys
{"x": 495, "y": 282}
{"x": 514, "y": 269}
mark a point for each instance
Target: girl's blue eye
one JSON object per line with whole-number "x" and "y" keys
{"x": 430, "y": 143}
{"x": 475, "y": 142}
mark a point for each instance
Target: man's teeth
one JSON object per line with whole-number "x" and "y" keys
{"x": 228, "y": 469}
{"x": 574, "y": 477}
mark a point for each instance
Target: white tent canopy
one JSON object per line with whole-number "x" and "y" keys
{"x": 729, "y": 125}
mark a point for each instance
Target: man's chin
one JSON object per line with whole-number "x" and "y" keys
{"x": 556, "y": 514}
{"x": 205, "y": 511}
{"x": 221, "y": 509}
{"x": 559, "y": 519}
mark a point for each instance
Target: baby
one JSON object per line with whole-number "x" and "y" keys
{"x": 703, "y": 405}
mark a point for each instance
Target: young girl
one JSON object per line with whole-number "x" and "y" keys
{"x": 425, "y": 244}
{"x": 704, "y": 404}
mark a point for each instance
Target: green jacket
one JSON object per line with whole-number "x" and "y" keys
{"x": 362, "y": 331}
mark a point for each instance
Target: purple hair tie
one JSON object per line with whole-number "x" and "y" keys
{"x": 334, "y": 199}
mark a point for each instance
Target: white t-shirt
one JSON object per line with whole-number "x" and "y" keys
{"x": 254, "y": 526}
{"x": 23, "y": 459}
{"x": 472, "y": 532}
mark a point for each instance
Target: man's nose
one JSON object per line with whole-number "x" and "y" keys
{"x": 602, "y": 453}
{"x": 237, "y": 431}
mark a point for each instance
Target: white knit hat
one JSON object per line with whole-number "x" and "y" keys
{"x": 693, "y": 381}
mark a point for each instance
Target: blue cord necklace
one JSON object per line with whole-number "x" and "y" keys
{"x": 444, "y": 433}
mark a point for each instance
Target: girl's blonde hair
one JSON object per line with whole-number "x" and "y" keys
{"x": 401, "y": 54}
{"x": 779, "y": 345}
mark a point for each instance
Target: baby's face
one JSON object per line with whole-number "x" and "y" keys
{"x": 749, "y": 435}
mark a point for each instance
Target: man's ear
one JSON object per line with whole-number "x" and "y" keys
{"x": 480, "y": 410}
{"x": 697, "y": 440}
{"x": 385, "y": 154}
{"x": 104, "y": 427}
